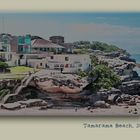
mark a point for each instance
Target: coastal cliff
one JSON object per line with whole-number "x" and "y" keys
{"x": 111, "y": 80}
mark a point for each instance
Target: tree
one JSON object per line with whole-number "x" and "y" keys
{"x": 3, "y": 66}
{"x": 82, "y": 73}
{"x": 96, "y": 45}
{"x": 84, "y": 47}
{"x": 106, "y": 78}
{"x": 94, "y": 60}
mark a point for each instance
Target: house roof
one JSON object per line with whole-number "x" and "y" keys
{"x": 42, "y": 43}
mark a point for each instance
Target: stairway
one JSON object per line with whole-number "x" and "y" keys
{"x": 24, "y": 83}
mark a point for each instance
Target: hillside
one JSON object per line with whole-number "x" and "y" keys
{"x": 96, "y": 45}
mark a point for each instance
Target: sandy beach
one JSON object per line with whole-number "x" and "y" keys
{"x": 113, "y": 111}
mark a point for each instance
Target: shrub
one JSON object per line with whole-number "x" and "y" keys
{"x": 106, "y": 78}
{"x": 81, "y": 73}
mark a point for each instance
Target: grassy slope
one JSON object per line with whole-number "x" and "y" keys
{"x": 20, "y": 69}
{"x": 17, "y": 72}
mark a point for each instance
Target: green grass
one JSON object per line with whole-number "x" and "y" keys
{"x": 81, "y": 51}
{"x": 17, "y": 72}
{"x": 21, "y": 69}
{"x": 11, "y": 76}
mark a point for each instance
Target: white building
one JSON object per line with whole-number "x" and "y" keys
{"x": 5, "y": 40}
{"x": 69, "y": 62}
{"x": 37, "y": 63}
{"x": 10, "y": 58}
{"x": 65, "y": 62}
{"x": 1, "y": 46}
{"x": 32, "y": 60}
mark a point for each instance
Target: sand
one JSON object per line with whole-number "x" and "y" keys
{"x": 113, "y": 111}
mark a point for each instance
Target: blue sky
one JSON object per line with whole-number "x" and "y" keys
{"x": 122, "y": 29}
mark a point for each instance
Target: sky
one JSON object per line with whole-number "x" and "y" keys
{"x": 121, "y": 29}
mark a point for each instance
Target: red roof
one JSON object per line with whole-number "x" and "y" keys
{"x": 42, "y": 43}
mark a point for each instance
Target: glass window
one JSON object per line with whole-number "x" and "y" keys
{"x": 62, "y": 65}
{"x": 21, "y": 40}
{"x": 80, "y": 65}
{"x": 51, "y": 57}
{"x": 56, "y": 65}
{"x": 66, "y": 58}
{"x": 45, "y": 49}
{"x": 66, "y": 66}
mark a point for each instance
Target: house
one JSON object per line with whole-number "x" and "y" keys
{"x": 5, "y": 47}
{"x": 37, "y": 52}
{"x": 42, "y": 45}
{"x": 14, "y": 44}
{"x": 1, "y": 48}
{"x": 69, "y": 47}
{"x": 32, "y": 60}
{"x": 57, "y": 39}
{"x": 69, "y": 62}
{"x": 10, "y": 58}
{"x": 37, "y": 63}
{"x": 24, "y": 44}
{"x": 5, "y": 40}
{"x": 8, "y": 43}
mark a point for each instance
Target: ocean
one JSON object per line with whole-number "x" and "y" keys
{"x": 137, "y": 58}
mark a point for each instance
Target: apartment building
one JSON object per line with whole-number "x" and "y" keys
{"x": 69, "y": 62}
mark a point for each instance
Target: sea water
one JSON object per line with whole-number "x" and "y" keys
{"x": 137, "y": 58}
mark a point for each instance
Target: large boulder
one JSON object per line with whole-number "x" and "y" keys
{"x": 33, "y": 102}
{"x": 126, "y": 58}
{"x": 131, "y": 87}
{"x": 132, "y": 103}
{"x": 101, "y": 104}
{"x": 114, "y": 91}
{"x": 114, "y": 99}
{"x": 11, "y": 106}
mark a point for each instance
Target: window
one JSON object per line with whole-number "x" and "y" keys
{"x": 80, "y": 65}
{"x": 45, "y": 49}
{"x": 51, "y": 57}
{"x": 66, "y": 66}
{"x": 20, "y": 47}
{"x": 71, "y": 66}
{"x": 56, "y": 65}
{"x": 40, "y": 64}
{"x": 10, "y": 56}
{"x": 66, "y": 58}
{"x": 62, "y": 65}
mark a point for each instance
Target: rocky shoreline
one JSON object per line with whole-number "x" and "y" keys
{"x": 53, "y": 90}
